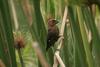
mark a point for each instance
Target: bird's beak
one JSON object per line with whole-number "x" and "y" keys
{"x": 56, "y": 21}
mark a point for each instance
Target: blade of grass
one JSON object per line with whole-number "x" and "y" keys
{"x": 84, "y": 38}
{"x": 80, "y": 58}
{"x": 95, "y": 35}
{"x": 4, "y": 7}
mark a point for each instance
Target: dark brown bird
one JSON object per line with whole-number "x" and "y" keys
{"x": 53, "y": 33}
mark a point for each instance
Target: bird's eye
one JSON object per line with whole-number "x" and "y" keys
{"x": 55, "y": 21}
{"x": 52, "y": 22}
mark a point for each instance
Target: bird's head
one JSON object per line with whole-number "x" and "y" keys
{"x": 52, "y": 22}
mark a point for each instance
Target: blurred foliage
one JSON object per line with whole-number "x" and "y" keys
{"x": 32, "y": 18}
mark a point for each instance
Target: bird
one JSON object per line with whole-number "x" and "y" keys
{"x": 53, "y": 33}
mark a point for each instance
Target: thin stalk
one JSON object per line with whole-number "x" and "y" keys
{"x": 58, "y": 58}
{"x": 14, "y": 15}
{"x": 20, "y": 57}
